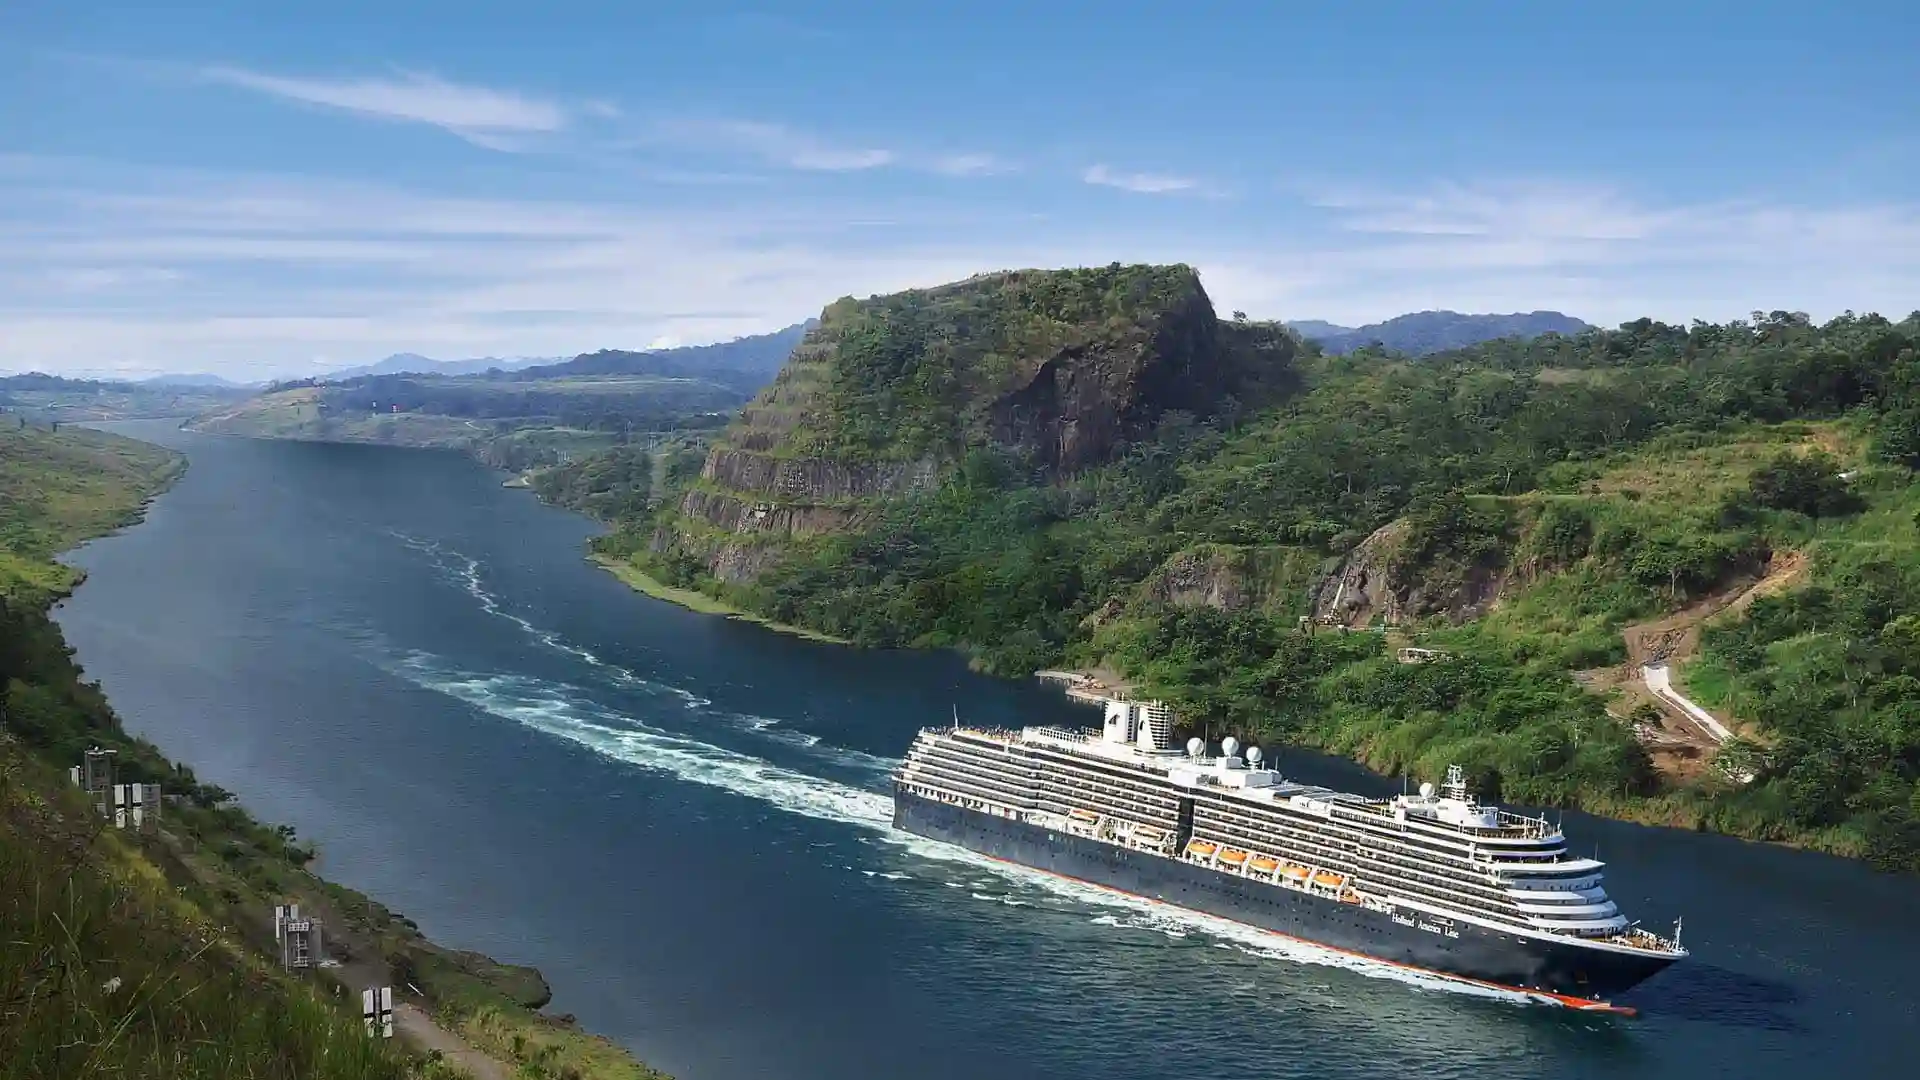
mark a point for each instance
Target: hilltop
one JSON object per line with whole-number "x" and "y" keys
{"x": 1089, "y": 469}
{"x": 1424, "y": 332}
{"x": 1033, "y": 374}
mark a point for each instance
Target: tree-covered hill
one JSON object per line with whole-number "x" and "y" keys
{"x": 1522, "y": 503}
{"x": 1424, "y": 332}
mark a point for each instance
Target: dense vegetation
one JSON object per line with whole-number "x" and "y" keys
{"x": 1585, "y": 482}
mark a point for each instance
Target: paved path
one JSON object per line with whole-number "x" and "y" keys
{"x": 1659, "y": 679}
{"x": 419, "y": 1029}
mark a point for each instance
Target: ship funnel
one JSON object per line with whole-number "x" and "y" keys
{"x": 1229, "y": 746}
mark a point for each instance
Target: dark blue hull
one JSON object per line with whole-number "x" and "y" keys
{"x": 1460, "y": 950}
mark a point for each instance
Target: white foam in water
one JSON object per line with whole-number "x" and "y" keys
{"x": 558, "y": 710}
{"x": 548, "y": 708}
{"x": 467, "y": 575}
{"x": 545, "y": 707}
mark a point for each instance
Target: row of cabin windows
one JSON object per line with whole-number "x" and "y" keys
{"x": 1337, "y": 840}
{"x": 1346, "y": 840}
{"x": 1439, "y": 847}
{"x": 1153, "y": 806}
{"x": 944, "y": 772}
{"x": 1123, "y": 789}
{"x": 1432, "y": 887}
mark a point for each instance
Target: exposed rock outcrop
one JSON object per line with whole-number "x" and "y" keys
{"x": 1373, "y": 583}
{"x": 1053, "y": 371}
{"x": 1232, "y": 578}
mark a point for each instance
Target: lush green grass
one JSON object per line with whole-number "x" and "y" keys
{"x": 104, "y": 972}
{"x": 57, "y": 489}
{"x": 694, "y": 600}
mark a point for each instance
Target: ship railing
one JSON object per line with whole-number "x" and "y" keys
{"x": 996, "y": 734}
{"x": 1062, "y": 734}
{"x": 1640, "y": 938}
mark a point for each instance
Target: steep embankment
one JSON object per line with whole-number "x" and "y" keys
{"x": 150, "y": 953}
{"x": 1049, "y": 373}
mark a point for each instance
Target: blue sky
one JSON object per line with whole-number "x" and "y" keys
{"x": 256, "y": 189}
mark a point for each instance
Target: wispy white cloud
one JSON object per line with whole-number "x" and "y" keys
{"x": 971, "y": 165}
{"x": 1140, "y": 183}
{"x": 104, "y": 265}
{"x": 496, "y": 119}
{"x": 776, "y": 144}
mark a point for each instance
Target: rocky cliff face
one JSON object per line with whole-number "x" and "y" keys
{"x": 1374, "y": 584}
{"x": 1275, "y": 578}
{"x": 1055, "y": 370}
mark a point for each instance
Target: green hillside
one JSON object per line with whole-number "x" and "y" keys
{"x": 1010, "y": 380}
{"x": 145, "y": 955}
{"x": 1526, "y": 506}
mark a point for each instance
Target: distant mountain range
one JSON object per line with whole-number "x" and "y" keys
{"x": 754, "y": 359}
{"x": 748, "y": 362}
{"x": 195, "y": 381}
{"x": 415, "y": 364}
{"x": 1426, "y": 332}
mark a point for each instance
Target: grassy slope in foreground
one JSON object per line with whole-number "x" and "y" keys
{"x": 144, "y": 956}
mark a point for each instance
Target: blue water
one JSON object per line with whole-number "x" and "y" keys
{"x": 682, "y": 821}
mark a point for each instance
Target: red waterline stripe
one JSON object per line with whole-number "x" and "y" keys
{"x": 1564, "y": 1000}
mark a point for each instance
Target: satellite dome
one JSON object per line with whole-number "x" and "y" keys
{"x": 1194, "y": 746}
{"x": 1228, "y": 745}
{"x": 1253, "y": 755}
{"x": 1426, "y": 790}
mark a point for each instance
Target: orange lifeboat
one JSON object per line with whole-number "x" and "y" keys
{"x": 1233, "y": 856}
{"x": 1331, "y": 881}
{"x": 1087, "y": 816}
{"x": 1266, "y": 864}
{"x": 1296, "y": 873}
{"x": 1202, "y": 848}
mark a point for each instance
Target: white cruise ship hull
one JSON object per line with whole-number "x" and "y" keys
{"x": 1566, "y": 972}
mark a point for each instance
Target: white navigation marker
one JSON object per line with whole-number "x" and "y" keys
{"x": 376, "y": 1011}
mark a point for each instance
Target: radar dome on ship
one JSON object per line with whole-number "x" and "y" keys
{"x": 1426, "y": 790}
{"x": 1194, "y": 747}
{"x": 1253, "y": 755}
{"x": 1228, "y": 745}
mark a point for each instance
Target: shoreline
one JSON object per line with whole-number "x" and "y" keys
{"x": 640, "y": 581}
{"x": 234, "y": 867}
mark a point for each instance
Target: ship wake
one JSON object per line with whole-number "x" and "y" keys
{"x": 567, "y": 712}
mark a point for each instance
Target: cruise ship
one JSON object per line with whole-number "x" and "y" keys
{"x": 1434, "y": 881}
